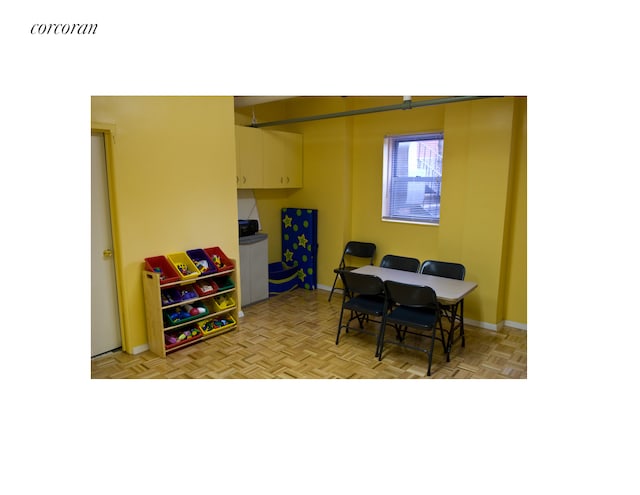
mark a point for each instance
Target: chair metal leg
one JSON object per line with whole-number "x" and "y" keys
{"x": 380, "y": 332}
{"x": 380, "y": 344}
{"x": 456, "y": 320}
{"x": 333, "y": 287}
{"x": 445, "y": 342}
{"x": 430, "y": 355}
{"x": 340, "y": 325}
{"x": 451, "y": 315}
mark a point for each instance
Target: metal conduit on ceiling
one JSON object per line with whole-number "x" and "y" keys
{"x": 407, "y": 104}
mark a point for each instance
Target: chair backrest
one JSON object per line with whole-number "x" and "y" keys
{"x": 400, "y": 263}
{"x": 361, "y": 284}
{"x": 414, "y": 296}
{"x": 443, "y": 269}
{"x": 358, "y": 249}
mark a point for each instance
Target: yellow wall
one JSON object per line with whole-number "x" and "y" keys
{"x": 481, "y": 134}
{"x": 173, "y": 186}
{"x": 516, "y": 280}
{"x": 326, "y": 176}
{"x": 483, "y": 213}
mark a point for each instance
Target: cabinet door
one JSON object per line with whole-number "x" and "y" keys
{"x": 254, "y": 281}
{"x": 245, "y": 274}
{"x": 249, "y": 158}
{"x": 282, "y": 158}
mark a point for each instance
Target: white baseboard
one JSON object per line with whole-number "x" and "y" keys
{"x": 515, "y": 324}
{"x": 483, "y": 324}
{"x": 496, "y": 326}
{"x": 140, "y": 349}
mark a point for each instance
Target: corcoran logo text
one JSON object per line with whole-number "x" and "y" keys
{"x": 64, "y": 29}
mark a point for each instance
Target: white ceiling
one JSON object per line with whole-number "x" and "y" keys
{"x": 247, "y": 101}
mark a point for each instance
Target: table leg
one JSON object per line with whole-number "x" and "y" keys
{"x": 462, "y": 321}
{"x": 452, "y": 324}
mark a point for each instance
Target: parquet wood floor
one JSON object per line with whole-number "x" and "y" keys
{"x": 293, "y": 335}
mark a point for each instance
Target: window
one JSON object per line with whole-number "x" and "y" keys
{"x": 412, "y": 178}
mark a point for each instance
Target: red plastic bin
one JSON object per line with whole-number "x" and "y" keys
{"x": 169, "y": 342}
{"x": 161, "y": 265}
{"x": 219, "y": 259}
{"x": 205, "y": 287}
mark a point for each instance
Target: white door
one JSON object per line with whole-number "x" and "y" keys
{"x": 105, "y": 321}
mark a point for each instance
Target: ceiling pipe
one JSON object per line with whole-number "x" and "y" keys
{"x": 407, "y": 104}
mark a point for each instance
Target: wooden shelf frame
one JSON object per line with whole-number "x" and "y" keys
{"x": 156, "y": 326}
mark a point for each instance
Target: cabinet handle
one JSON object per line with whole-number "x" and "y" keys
{"x": 244, "y": 179}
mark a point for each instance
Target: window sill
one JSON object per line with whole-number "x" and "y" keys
{"x": 413, "y": 222}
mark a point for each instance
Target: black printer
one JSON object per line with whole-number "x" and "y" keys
{"x": 247, "y": 227}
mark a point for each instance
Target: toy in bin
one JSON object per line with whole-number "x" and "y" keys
{"x": 222, "y": 322}
{"x": 213, "y": 324}
{"x": 217, "y": 260}
{"x": 185, "y": 311}
{"x": 220, "y": 260}
{"x": 187, "y": 293}
{"x": 201, "y": 261}
{"x": 183, "y": 269}
{"x": 184, "y": 265}
{"x": 223, "y": 302}
{"x": 183, "y": 335}
{"x": 205, "y": 287}
{"x": 207, "y": 326}
{"x": 170, "y": 296}
{"x": 202, "y": 266}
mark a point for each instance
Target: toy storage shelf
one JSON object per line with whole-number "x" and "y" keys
{"x": 220, "y": 308}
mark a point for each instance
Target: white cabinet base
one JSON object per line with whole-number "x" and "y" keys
{"x": 254, "y": 269}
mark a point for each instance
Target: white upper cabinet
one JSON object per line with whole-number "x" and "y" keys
{"x": 268, "y": 159}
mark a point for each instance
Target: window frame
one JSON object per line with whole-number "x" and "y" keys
{"x": 391, "y": 145}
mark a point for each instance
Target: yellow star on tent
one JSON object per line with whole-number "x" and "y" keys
{"x": 302, "y": 240}
{"x": 301, "y": 274}
{"x": 288, "y": 255}
{"x": 287, "y": 221}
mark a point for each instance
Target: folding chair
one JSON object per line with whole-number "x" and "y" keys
{"x": 363, "y": 297}
{"x": 400, "y": 263}
{"x": 453, "y": 312}
{"x": 413, "y": 310}
{"x": 353, "y": 250}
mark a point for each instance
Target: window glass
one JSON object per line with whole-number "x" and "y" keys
{"x": 412, "y": 178}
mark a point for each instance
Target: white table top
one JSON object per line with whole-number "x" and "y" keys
{"x": 448, "y": 290}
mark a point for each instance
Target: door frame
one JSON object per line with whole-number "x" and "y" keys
{"x": 109, "y": 132}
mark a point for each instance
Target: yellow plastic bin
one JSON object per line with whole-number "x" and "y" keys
{"x": 184, "y": 265}
{"x": 212, "y": 325}
{"x": 222, "y": 302}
